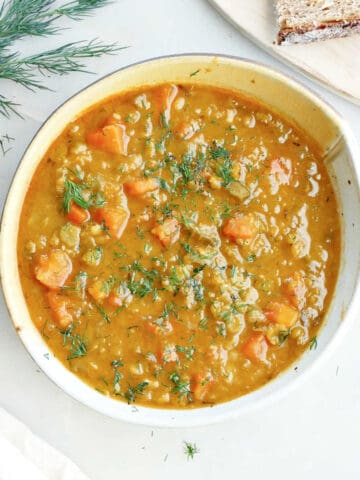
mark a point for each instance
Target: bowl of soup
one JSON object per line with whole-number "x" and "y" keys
{"x": 177, "y": 238}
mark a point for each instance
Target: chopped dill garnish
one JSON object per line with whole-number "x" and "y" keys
{"x": 313, "y": 343}
{"x": 169, "y": 309}
{"x": 190, "y": 450}
{"x": 73, "y": 192}
{"x": 163, "y": 184}
{"x": 141, "y": 285}
{"x": 76, "y": 342}
{"x": 227, "y": 211}
{"x": 105, "y": 228}
{"x": 140, "y": 232}
{"x": 283, "y": 335}
{"x": 163, "y": 121}
{"x": 224, "y": 171}
{"x": 224, "y": 164}
{"x": 133, "y": 392}
{"x": 116, "y": 364}
{"x": 132, "y": 329}
{"x": 192, "y": 74}
{"x": 160, "y": 145}
{"x": 102, "y": 312}
{"x": 174, "y": 280}
{"x": 203, "y": 323}
{"x": 218, "y": 152}
{"x": 179, "y": 386}
{"x": 186, "y": 168}
{"x": 198, "y": 269}
{"x": 187, "y": 351}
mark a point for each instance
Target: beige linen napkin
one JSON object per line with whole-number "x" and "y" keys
{"x": 24, "y": 456}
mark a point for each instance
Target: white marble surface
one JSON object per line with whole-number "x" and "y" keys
{"x": 311, "y": 433}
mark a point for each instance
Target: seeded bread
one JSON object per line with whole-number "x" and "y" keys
{"x": 305, "y": 21}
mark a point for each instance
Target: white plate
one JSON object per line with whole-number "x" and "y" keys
{"x": 334, "y": 63}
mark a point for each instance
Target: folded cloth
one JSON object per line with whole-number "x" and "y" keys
{"x": 25, "y": 456}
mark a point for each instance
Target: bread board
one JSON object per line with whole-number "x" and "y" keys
{"x": 334, "y": 63}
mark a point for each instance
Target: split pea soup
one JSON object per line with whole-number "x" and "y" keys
{"x": 179, "y": 246}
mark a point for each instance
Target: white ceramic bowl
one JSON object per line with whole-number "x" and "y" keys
{"x": 281, "y": 94}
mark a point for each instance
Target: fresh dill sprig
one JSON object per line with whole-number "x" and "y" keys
{"x": 23, "y": 18}
{"x": 78, "y": 9}
{"x": 8, "y": 107}
{"x": 14, "y": 69}
{"x": 62, "y": 60}
{"x": 65, "y": 59}
{"x": 190, "y": 449}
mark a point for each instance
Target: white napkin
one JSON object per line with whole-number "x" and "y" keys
{"x": 25, "y": 456}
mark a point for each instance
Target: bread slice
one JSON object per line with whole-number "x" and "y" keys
{"x": 305, "y": 21}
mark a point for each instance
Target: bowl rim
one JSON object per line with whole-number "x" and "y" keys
{"x": 188, "y": 418}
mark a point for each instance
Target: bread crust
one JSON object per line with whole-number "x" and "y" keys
{"x": 323, "y": 31}
{"x": 305, "y": 21}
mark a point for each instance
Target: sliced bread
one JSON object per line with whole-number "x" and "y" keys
{"x": 305, "y": 21}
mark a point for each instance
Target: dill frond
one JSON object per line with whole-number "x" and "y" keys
{"x": 12, "y": 68}
{"x": 78, "y": 9}
{"x": 23, "y": 18}
{"x": 7, "y": 107}
{"x": 65, "y": 59}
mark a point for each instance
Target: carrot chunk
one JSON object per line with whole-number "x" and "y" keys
{"x": 294, "y": 289}
{"x": 98, "y": 291}
{"x": 140, "y": 186}
{"x": 111, "y": 139}
{"x": 119, "y": 297}
{"x": 53, "y": 269}
{"x": 165, "y": 96}
{"x": 256, "y": 347}
{"x": 200, "y": 385}
{"x": 115, "y": 300}
{"x": 115, "y": 219}
{"x": 77, "y": 214}
{"x": 59, "y": 306}
{"x": 168, "y": 232}
{"x": 239, "y": 227}
{"x": 281, "y": 313}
